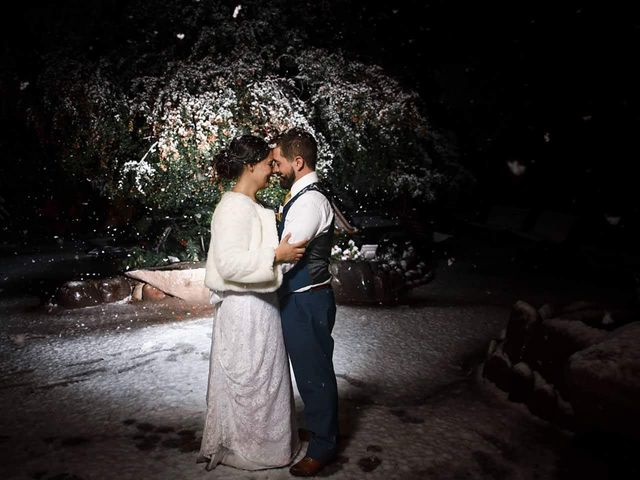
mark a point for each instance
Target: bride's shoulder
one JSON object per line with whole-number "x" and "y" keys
{"x": 234, "y": 198}
{"x": 232, "y": 203}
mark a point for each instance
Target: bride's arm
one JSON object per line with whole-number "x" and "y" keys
{"x": 231, "y": 241}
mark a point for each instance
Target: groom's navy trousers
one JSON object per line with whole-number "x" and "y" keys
{"x": 307, "y": 321}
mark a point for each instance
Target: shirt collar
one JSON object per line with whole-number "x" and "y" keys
{"x": 303, "y": 182}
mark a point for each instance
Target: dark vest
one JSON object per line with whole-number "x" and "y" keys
{"x": 313, "y": 267}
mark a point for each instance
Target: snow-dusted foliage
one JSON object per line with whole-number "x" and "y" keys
{"x": 150, "y": 136}
{"x": 376, "y": 127}
{"x": 350, "y": 251}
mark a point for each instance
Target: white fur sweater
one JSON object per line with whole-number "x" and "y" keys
{"x": 242, "y": 249}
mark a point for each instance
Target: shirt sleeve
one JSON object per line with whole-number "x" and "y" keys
{"x": 307, "y": 218}
{"x": 233, "y": 256}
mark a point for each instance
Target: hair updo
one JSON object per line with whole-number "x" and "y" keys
{"x": 243, "y": 150}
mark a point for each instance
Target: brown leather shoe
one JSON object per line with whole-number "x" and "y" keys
{"x": 304, "y": 435}
{"x": 307, "y": 467}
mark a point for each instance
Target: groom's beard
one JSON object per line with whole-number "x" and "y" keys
{"x": 287, "y": 181}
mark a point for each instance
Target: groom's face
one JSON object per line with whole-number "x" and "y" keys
{"x": 284, "y": 169}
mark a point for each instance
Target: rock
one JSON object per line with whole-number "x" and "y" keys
{"x": 136, "y": 295}
{"x": 149, "y": 292}
{"x": 77, "y": 294}
{"x": 547, "y": 311}
{"x": 522, "y": 320}
{"x": 536, "y": 344}
{"x": 562, "y": 338}
{"x": 493, "y": 344}
{"x": 387, "y": 287}
{"x": 589, "y": 316}
{"x": 596, "y": 315}
{"x": 604, "y": 383}
{"x": 569, "y": 369}
{"x": 614, "y": 318}
{"x": 352, "y": 282}
{"x": 565, "y": 417}
{"x": 577, "y": 306}
{"x": 502, "y": 334}
{"x": 113, "y": 289}
{"x": 497, "y": 369}
{"x": 543, "y": 401}
{"x": 183, "y": 280}
{"x": 521, "y": 383}
{"x": 362, "y": 282}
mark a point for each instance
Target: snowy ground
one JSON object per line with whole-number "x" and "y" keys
{"x": 118, "y": 391}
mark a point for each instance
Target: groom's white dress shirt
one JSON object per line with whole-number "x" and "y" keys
{"x": 309, "y": 216}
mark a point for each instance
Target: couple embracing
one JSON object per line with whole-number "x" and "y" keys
{"x": 272, "y": 285}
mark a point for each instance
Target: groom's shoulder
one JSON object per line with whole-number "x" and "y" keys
{"x": 313, "y": 200}
{"x": 314, "y": 191}
{"x": 319, "y": 191}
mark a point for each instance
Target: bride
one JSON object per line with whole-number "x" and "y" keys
{"x": 250, "y": 417}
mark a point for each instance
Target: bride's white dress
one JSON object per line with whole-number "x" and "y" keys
{"x": 250, "y": 419}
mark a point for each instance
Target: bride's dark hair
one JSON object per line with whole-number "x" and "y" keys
{"x": 243, "y": 150}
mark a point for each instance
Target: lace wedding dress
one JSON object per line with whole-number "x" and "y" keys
{"x": 250, "y": 418}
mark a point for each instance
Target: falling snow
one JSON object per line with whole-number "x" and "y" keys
{"x": 118, "y": 391}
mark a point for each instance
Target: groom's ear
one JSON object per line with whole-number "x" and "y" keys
{"x": 298, "y": 162}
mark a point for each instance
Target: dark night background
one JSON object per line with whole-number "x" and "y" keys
{"x": 551, "y": 84}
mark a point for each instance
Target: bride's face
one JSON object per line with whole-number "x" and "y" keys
{"x": 262, "y": 171}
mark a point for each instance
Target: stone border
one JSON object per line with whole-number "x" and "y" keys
{"x": 576, "y": 366}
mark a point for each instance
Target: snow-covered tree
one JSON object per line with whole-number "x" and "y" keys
{"x": 148, "y": 134}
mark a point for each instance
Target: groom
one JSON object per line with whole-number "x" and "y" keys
{"x": 307, "y": 304}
